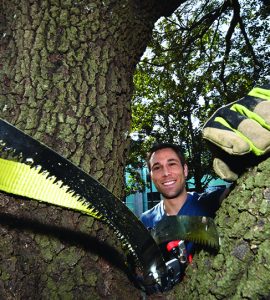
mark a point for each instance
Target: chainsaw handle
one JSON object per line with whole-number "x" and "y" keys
{"x": 173, "y": 275}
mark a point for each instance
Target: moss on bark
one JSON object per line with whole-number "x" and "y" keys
{"x": 241, "y": 268}
{"x": 66, "y": 72}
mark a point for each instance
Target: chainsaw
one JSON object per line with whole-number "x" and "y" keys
{"x": 31, "y": 169}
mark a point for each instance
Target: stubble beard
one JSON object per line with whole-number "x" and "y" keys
{"x": 174, "y": 195}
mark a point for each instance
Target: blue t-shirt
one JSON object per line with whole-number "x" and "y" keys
{"x": 205, "y": 204}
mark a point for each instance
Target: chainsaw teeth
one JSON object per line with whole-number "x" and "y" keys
{"x": 77, "y": 191}
{"x": 10, "y": 154}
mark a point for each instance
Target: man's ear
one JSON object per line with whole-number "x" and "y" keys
{"x": 185, "y": 170}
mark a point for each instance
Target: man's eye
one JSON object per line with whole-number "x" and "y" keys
{"x": 155, "y": 168}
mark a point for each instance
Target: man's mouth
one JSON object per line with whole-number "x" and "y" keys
{"x": 168, "y": 183}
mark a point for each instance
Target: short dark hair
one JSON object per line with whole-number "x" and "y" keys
{"x": 176, "y": 148}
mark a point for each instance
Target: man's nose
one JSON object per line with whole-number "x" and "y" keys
{"x": 166, "y": 171}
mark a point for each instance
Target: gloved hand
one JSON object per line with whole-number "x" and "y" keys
{"x": 239, "y": 133}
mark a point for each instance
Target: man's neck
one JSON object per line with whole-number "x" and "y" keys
{"x": 172, "y": 206}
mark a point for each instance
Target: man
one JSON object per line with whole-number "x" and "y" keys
{"x": 169, "y": 171}
{"x": 239, "y": 136}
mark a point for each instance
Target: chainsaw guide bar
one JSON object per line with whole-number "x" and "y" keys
{"x": 49, "y": 177}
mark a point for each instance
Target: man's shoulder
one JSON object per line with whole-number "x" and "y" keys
{"x": 202, "y": 204}
{"x": 153, "y": 210}
{"x": 213, "y": 193}
{"x": 151, "y": 216}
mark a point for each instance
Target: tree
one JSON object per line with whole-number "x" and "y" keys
{"x": 66, "y": 74}
{"x": 66, "y": 79}
{"x": 203, "y": 56}
{"x": 240, "y": 269}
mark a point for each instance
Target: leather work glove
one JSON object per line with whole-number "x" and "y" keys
{"x": 239, "y": 133}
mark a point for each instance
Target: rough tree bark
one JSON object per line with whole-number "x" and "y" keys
{"x": 241, "y": 269}
{"x": 66, "y": 72}
{"x": 66, "y": 78}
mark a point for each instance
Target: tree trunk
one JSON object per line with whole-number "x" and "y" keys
{"x": 66, "y": 79}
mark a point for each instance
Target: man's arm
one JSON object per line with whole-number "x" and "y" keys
{"x": 224, "y": 195}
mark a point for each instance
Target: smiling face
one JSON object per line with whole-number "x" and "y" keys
{"x": 167, "y": 173}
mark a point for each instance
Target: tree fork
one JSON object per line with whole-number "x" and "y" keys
{"x": 241, "y": 268}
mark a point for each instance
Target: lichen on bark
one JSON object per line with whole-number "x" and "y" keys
{"x": 241, "y": 268}
{"x": 66, "y": 79}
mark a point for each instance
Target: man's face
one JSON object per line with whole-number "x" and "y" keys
{"x": 167, "y": 173}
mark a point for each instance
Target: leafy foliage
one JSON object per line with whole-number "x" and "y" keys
{"x": 205, "y": 55}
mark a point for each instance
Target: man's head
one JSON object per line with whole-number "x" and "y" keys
{"x": 168, "y": 170}
{"x": 160, "y": 146}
